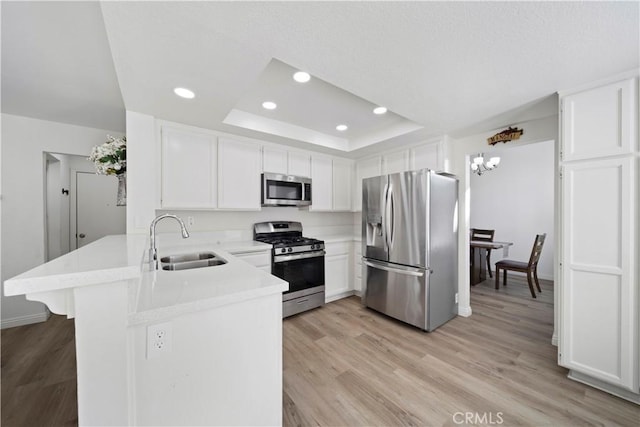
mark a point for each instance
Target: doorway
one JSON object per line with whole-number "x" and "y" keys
{"x": 80, "y": 206}
{"x": 96, "y": 213}
{"x": 517, "y": 200}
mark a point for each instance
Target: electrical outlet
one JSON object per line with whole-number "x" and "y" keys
{"x": 456, "y": 297}
{"x": 190, "y": 220}
{"x": 158, "y": 340}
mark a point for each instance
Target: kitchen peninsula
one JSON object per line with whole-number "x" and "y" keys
{"x": 157, "y": 347}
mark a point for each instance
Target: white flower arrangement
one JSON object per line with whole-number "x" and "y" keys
{"x": 110, "y": 158}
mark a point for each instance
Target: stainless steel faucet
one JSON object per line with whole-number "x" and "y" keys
{"x": 153, "y": 252}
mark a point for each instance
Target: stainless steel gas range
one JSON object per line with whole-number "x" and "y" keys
{"x": 298, "y": 260}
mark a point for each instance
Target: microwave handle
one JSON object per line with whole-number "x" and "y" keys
{"x": 305, "y": 187}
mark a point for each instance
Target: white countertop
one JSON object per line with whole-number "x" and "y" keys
{"x": 110, "y": 259}
{"x": 341, "y": 238}
{"x": 155, "y": 294}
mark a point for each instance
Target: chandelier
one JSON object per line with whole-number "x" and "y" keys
{"x": 479, "y": 166}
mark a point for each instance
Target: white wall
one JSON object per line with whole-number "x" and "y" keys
{"x": 24, "y": 140}
{"x": 143, "y": 175}
{"x": 517, "y": 200}
{"x": 535, "y": 131}
{"x": 53, "y": 207}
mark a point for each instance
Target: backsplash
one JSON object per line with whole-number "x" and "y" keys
{"x": 238, "y": 225}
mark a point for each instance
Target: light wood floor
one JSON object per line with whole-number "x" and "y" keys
{"x": 348, "y": 366}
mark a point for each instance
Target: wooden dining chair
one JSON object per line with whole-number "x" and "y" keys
{"x": 484, "y": 236}
{"x": 531, "y": 268}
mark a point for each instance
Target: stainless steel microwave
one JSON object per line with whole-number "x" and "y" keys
{"x": 285, "y": 190}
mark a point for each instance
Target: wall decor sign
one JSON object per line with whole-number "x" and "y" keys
{"x": 505, "y": 136}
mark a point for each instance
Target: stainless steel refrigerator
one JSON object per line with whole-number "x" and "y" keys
{"x": 410, "y": 246}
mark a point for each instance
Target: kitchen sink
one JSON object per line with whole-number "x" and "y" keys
{"x": 189, "y": 261}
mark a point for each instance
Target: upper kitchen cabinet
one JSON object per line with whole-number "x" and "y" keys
{"x": 331, "y": 184}
{"x": 365, "y": 168}
{"x": 321, "y": 183}
{"x": 278, "y": 160}
{"x": 395, "y": 162}
{"x": 188, "y": 167}
{"x": 599, "y": 122}
{"x": 342, "y": 184}
{"x": 238, "y": 174}
{"x": 274, "y": 160}
{"x": 425, "y": 156}
{"x": 299, "y": 164}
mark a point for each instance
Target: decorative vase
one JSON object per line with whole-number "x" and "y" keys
{"x": 122, "y": 189}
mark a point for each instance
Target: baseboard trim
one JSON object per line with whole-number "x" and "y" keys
{"x": 25, "y": 320}
{"x": 464, "y": 311}
{"x": 606, "y": 387}
{"x": 338, "y": 295}
{"x": 554, "y": 339}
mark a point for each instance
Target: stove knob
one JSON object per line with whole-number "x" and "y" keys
{"x": 283, "y": 250}
{"x": 289, "y": 250}
{"x": 314, "y": 247}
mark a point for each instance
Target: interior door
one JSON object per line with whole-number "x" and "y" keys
{"x": 406, "y": 218}
{"x": 96, "y": 212}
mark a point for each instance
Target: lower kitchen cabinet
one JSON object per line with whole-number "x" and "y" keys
{"x": 357, "y": 267}
{"x": 337, "y": 267}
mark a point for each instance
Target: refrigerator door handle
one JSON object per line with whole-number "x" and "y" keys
{"x": 408, "y": 271}
{"x": 387, "y": 215}
{"x": 392, "y": 228}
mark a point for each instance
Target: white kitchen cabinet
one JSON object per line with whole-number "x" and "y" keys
{"x": 395, "y": 162}
{"x": 321, "y": 184}
{"x": 188, "y": 169}
{"x": 357, "y": 267}
{"x": 337, "y": 263}
{"x": 365, "y": 168}
{"x": 425, "y": 156}
{"x": 299, "y": 164}
{"x": 599, "y": 331}
{"x": 274, "y": 160}
{"x": 600, "y": 122}
{"x": 277, "y": 159}
{"x": 238, "y": 174}
{"x": 342, "y": 185}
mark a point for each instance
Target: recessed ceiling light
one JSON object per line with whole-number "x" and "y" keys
{"x": 301, "y": 77}
{"x": 184, "y": 93}
{"x": 342, "y": 128}
{"x": 379, "y": 110}
{"x": 269, "y": 105}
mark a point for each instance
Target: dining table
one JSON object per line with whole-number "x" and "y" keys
{"x": 478, "y": 267}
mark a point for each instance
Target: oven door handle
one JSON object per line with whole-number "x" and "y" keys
{"x": 293, "y": 257}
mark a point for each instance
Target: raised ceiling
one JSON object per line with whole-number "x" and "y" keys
{"x": 441, "y": 66}
{"x": 312, "y": 111}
